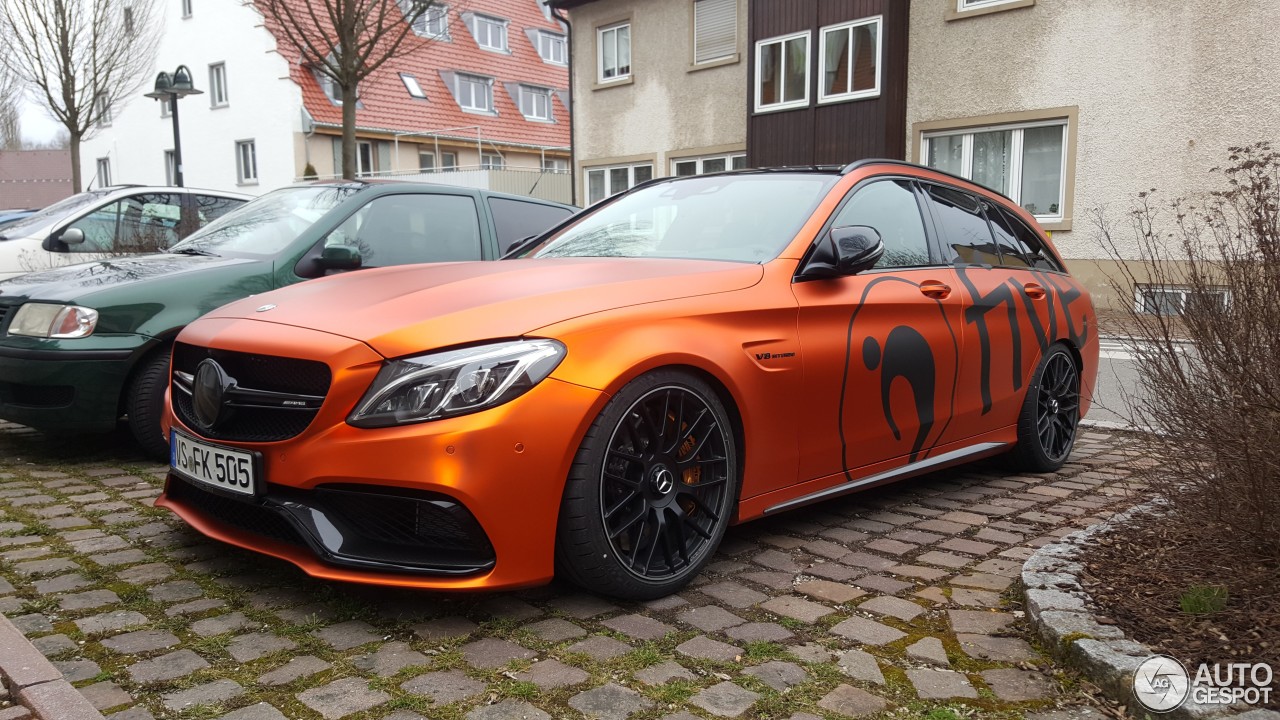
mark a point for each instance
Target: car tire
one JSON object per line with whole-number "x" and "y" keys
{"x": 653, "y": 487}
{"x": 1050, "y": 416}
{"x": 144, "y": 403}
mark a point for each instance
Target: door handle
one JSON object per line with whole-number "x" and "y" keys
{"x": 934, "y": 289}
{"x": 1034, "y": 291}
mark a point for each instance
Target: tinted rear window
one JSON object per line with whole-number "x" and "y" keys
{"x": 516, "y": 220}
{"x": 963, "y": 226}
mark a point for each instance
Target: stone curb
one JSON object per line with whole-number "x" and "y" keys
{"x": 1059, "y": 610}
{"x": 32, "y": 681}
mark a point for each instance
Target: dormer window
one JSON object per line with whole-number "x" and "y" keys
{"x": 552, "y": 47}
{"x": 329, "y": 87}
{"x": 474, "y": 93}
{"x": 535, "y": 103}
{"x": 431, "y": 23}
{"x": 490, "y": 32}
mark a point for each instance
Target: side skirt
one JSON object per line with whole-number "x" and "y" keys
{"x": 909, "y": 470}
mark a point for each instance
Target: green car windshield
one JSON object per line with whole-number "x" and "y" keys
{"x": 266, "y": 226}
{"x": 742, "y": 217}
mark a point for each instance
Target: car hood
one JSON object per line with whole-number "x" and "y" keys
{"x": 406, "y": 310}
{"x": 92, "y": 283}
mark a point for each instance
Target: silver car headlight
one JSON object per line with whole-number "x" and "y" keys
{"x": 46, "y": 320}
{"x": 455, "y": 382}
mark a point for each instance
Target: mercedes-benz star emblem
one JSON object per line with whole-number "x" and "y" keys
{"x": 267, "y": 307}
{"x": 663, "y": 480}
{"x": 1161, "y": 683}
{"x": 208, "y": 392}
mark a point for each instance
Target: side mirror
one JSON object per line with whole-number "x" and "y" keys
{"x": 71, "y": 236}
{"x": 340, "y": 257}
{"x": 844, "y": 251}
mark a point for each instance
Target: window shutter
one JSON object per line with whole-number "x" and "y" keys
{"x": 715, "y": 33}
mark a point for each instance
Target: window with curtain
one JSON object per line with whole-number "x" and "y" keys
{"x": 850, "y": 57}
{"x": 782, "y": 72}
{"x": 1025, "y": 162}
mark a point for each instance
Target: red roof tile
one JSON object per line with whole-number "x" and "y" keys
{"x": 385, "y": 104}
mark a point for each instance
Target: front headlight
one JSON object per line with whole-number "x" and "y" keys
{"x": 455, "y": 382}
{"x": 46, "y": 320}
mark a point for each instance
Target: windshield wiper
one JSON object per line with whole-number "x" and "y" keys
{"x": 192, "y": 251}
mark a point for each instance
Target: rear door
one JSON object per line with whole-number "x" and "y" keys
{"x": 515, "y": 220}
{"x": 414, "y": 227}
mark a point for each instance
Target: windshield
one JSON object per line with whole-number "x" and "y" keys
{"x": 52, "y": 214}
{"x": 264, "y": 227}
{"x": 748, "y": 218}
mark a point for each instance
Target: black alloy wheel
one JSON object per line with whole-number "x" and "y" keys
{"x": 1058, "y": 407}
{"x": 652, "y": 490}
{"x": 1050, "y": 413}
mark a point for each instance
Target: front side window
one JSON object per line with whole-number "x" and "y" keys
{"x": 782, "y": 72}
{"x": 850, "y": 56}
{"x": 218, "y": 85}
{"x": 211, "y": 207}
{"x": 708, "y": 164}
{"x": 1026, "y": 163}
{"x": 412, "y": 228}
{"x": 475, "y": 93}
{"x": 491, "y": 33}
{"x": 246, "y": 162}
{"x": 140, "y": 223}
{"x": 614, "y": 48}
{"x": 552, "y": 48}
{"x": 535, "y": 103}
{"x": 715, "y": 30}
{"x": 744, "y": 218}
{"x": 609, "y": 181}
{"x": 963, "y": 226}
{"x": 889, "y": 206}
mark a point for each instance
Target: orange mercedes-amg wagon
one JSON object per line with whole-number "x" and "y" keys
{"x": 694, "y": 353}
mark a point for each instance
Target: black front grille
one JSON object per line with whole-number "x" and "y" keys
{"x": 258, "y": 372}
{"x": 415, "y": 520}
{"x": 240, "y": 514}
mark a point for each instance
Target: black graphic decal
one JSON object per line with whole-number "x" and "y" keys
{"x": 976, "y": 315}
{"x": 906, "y": 355}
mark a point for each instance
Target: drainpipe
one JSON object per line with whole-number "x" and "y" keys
{"x": 573, "y": 99}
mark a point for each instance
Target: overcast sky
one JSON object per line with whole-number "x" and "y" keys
{"x": 37, "y": 126}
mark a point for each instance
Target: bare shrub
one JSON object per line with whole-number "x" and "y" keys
{"x": 1212, "y": 371}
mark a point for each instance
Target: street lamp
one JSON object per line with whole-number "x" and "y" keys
{"x": 170, "y": 88}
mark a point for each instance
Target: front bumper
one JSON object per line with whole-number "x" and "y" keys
{"x": 50, "y": 386}
{"x": 504, "y": 467}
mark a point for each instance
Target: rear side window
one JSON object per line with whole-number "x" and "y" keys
{"x": 963, "y": 226}
{"x": 417, "y": 228}
{"x": 516, "y": 220}
{"x": 891, "y": 208}
{"x": 210, "y": 207}
{"x": 1020, "y": 246}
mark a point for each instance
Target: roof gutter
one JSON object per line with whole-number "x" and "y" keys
{"x": 556, "y": 12}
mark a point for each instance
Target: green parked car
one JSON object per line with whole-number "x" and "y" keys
{"x": 82, "y": 346}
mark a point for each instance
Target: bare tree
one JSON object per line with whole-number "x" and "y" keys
{"x": 10, "y": 97}
{"x": 80, "y": 58}
{"x": 346, "y": 41}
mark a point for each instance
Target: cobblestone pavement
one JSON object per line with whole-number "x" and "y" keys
{"x": 897, "y": 602}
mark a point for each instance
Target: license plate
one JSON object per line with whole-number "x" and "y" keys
{"x": 214, "y": 465}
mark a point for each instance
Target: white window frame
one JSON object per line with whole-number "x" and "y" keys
{"x": 555, "y": 165}
{"x": 970, "y": 5}
{"x": 103, "y": 110}
{"x": 492, "y": 25}
{"x": 719, "y": 58}
{"x": 548, "y": 40}
{"x": 601, "y": 32}
{"x": 492, "y": 161}
{"x": 364, "y": 169}
{"x": 246, "y": 165}
{"x": 448, "y": 161}
{"x": 1015, "y": 154}
{"x": 427, "y": 154}
{"x": 437, "y": 22}
{"x": 218, "y": 96}
{"x": 104, "y": 171}
{"x": 699, "y": 161}
{"x": 1140, "y": 290}
{"x": 413, "y": 87}
{"x": 878, "y": 21}
{"x": 329, "y": 87}
{"x": 476, "y": 80}
{"x": 808, "y": 63}
{"x": 186, "y": 9}
{"x": 608, "y": 179}
{"x": 528, "y": 107}
{"x": 170, "y": 168}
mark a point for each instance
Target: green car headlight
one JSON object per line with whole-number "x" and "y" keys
{"x": 455, "y": 382}
{"x": 46, "y": 320}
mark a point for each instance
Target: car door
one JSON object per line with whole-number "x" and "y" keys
{"x": 880, "y": 348}
{"x": 1000, "y": 345}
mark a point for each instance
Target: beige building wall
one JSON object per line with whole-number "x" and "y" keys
{"x": 1160, "y": 90}
{"x": 669, "y": 108}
